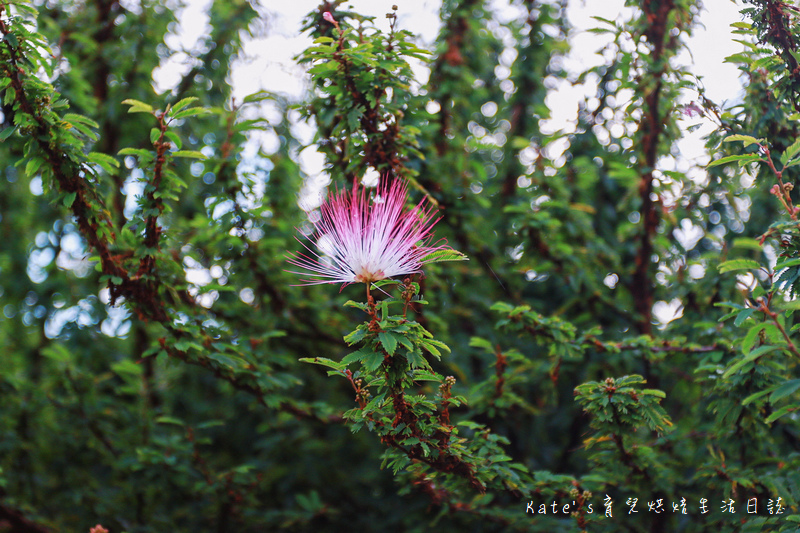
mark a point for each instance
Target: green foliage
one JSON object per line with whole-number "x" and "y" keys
{"x": 154, "y": 373}
{"x": 364, "y": 80}
{"x": 616, "y": 403}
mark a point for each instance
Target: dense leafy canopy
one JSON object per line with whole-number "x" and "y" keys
{"x": 161, "y": 370}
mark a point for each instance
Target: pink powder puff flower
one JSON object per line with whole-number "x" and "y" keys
{"x": 367, "y": 241}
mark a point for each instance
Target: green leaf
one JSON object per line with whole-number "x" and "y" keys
{"x": 738, "y": 264}
{"x": 406, "y": 342}
{"x": 127, "y": 367}
{"x": 749, "y": 358}
{"x": 785, "y": 390}
{"x": 69, "y": 198}
{"x": 7, "y": 132}
{"x": 744, "y": 242}
{"x": 425, "y": 375}
{"x": 753, "y": 397}
{"x": 751, "y": 336}
{"x": 440, "y": 256}
{"x": 780, "y": 412}
{"x": 358, "y": 355}
{"x": 746, "y": 139}
{"x": 74, "y": 118}
{"x": 185, "y": 345}
{"x": 765, "y": 62}
{"x": 788, "y": 263}
{"x": 139, "y": 152}
{"x": 105, "y": 161}
{"x": 384, "y": 283}
{"x": 23, "y": 7}
{"x": 57, "y": 352}
{"x": 169, "y": 420}
{"x": 742, "y": 316}
{"x": 790, "y": 152}
{"x": 264, "y": 95}
{"x": 83, "y": 129}
{"x": 388, "y": 341}
{"x": 431, "y": 349}
{"x": 11, "y": 39}
{"x": 749, "y": 158}
{"x": 191, "y": 154}
{"x": 33, "y": 165}
{"x": 605, "y": 21}
{"x": 792, "y": 305}
{"x": 372, "y": 362}
{"x": 210, "y": 424}
{"x": 324, "y": 362}
{"x": 355, "y": 336}
{"x": 137, "y": 106}
{"x": 478, "y": 342}
{"x": 181, "y": 104}
{"x": 191, "y": 112}
{"x": 415, "y": 360}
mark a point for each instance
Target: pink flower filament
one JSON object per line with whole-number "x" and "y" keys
{"x": 367, "y": 241}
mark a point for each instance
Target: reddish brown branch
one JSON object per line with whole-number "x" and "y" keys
{"x": 242, "y": 385}
{"x": 381, "y": 152}
{"x": 500, "y": 365}
{"x": 663, "y": 346}
{"x": 780, "y": 35}
{"x": 197, "y": 458}
{"x": 456, "y": 29}
{"x": 651, "y": 128}
{"x": 13, "y": 521}
{"x": 140, "y": 290}
{"x": 69, "y": 182}
{"x": 92, "y": 222}
{"x": 155, "y": 205}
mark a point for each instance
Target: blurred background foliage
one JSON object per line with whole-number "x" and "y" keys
{"x": 150, "y": 376}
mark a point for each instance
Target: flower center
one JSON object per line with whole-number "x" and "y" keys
{"x": 365, "y": 276}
